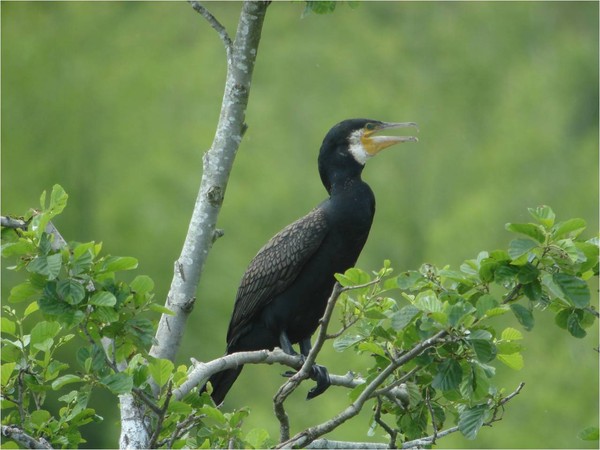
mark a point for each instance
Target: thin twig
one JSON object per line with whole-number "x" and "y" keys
{"x": 294, "y": 381}
{"x": 389, "y": 430}
{"x": 216, "y": 25}
{"x": 310, "y": 434}
{"x": 431, "y": 413}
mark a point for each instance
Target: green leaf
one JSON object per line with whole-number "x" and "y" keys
{"x": 528, "y": 229}
{"x": 33, "y": 307}
{"x": 511, "y": 334}
{"x": 70, "y": 291}
{"x": 161, "y": 370}
{"x": 449, "y": 375}
{"x": 118, "y": 383}
{"x": 258, "y": 438}
{"x": 142, "y": 284}
{"x": 105, "y": 314}
{"x": 7, "y": 326}
{"x": 544, "y": 215}
{"x": 588, "y": 434}
{"x": 39, "y": 417}
{"x": 428, "y": 301}
{"x": 6, "y": 371}
{"x": 43, "y": 331}
{"x": 571, "y": 227}
{"x": 103, "y": 298}
{"x": 471, "y": 420}
{"x": 161, "y": 309}
{"x": 523, "y": 315}
{"x": 409, "y": 280}
{"x": 64, "y": 380}
{"x": 48, "y": 266}
{"x": 404, "y": 316}
{"x": 576, "y": 290}
{"x": 520, "y": 247}
{"x": 23, "y": 292}
{"x": 485, "y": 350}
{"x": 512, "y": 360}
{"x": 344, "y": 341}
{"x": 117, "y": 263}
{"x": 574, "y": 326}
{"x": 485, "y": 303}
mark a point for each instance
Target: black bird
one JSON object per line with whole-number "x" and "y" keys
{"x": 284, "y": 291}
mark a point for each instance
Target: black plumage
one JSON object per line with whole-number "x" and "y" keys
{"x": 284, "y": 291}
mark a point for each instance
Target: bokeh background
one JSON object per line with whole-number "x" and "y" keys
{"x": 118, "y": 101}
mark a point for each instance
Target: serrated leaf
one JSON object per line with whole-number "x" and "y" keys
{"x": 512, "y": 360}
{"x": 576, "y": 291}
{"x": 520, "y": 247}
{"x": 544, "y": 215}
{"x": 428, "y": 301}
{"x": 449, "y": 375}
{"x": 160, "y": 370}
{"x": 33, "y": 307}
{"x": 409, "y": 280}
{"x": 485, "y": 350}
{"x": 511, "y": 334}
{"x": 258, "y": 438}
{"x": 574, "y": 326}
{"x": 344, "y": 341}
{"x": 70, "y": 291}
{"x": 105, "y": 314}
{"x": 118, "y": 383}
{"x": 572, "y": 227}
{"x": 523, "y": 315}
{"x": 118, "y": 263}
{"x": 44, "y": 330}
{"x": 103, "y": 298}
{"x": 471, "y": 420}
{"x": 23, "y": 292}
{"x": 404, "y": 316}
{"x": 528, "y": 229}
{"x": 484, "y": 304}
{"x": 142, "y": 284}
{"x": 64, "y": 380}
{"x": 7, "y": 326}
{"x": 48, "y": 266}
{"x": 6, "y": 371}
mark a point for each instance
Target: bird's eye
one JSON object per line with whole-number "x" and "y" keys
{"x": 370, "y": 126}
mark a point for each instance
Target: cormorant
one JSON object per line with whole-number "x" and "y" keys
{"x": 284, "y": 291}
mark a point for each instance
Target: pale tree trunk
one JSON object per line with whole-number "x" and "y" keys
{"x": 217, "y": 162}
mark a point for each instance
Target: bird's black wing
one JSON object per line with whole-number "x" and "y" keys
{"x": 275, "y": 267}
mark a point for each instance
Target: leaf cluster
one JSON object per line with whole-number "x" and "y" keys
{"x": 453, "y": 380}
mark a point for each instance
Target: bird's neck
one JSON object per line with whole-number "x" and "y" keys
{"x": 345, "y": 185}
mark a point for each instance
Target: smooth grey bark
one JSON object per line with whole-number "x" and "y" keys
{"x": 217, "y": 162}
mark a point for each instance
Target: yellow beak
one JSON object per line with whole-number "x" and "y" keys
{"x": 374, "y": 144}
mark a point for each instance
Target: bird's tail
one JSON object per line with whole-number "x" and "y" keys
{"x": 221, "y": 383}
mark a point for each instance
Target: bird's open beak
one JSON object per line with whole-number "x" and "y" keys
{"x": 374, "y": 144}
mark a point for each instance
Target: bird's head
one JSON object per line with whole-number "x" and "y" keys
{"x": 349, "y": 144}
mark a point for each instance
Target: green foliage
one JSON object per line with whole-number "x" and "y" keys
{"x": 73, "y": 294}
{"x": 456, "y": 376}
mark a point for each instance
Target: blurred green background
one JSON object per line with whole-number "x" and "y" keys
{"x": 118, "y": 101}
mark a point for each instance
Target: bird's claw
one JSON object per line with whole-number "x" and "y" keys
{"x": 317, "y": 373}
{"x": 321, "y": 376}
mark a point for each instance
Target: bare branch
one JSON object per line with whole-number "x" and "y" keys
{"x": 217, "y": 164}
{"x": 23, "y": 439}
{"x": 305, "y": 437}
{"x": 220, "y": 29}
{"x": 9, "y": 222}
{"x": 328, "y": 443}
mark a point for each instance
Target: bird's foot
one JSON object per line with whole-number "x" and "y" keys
{"x": 317, "y": 373}
{"x": 321, "y": 376}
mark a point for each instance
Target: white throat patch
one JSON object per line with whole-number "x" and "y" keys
{"x": 356, "y": 148}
